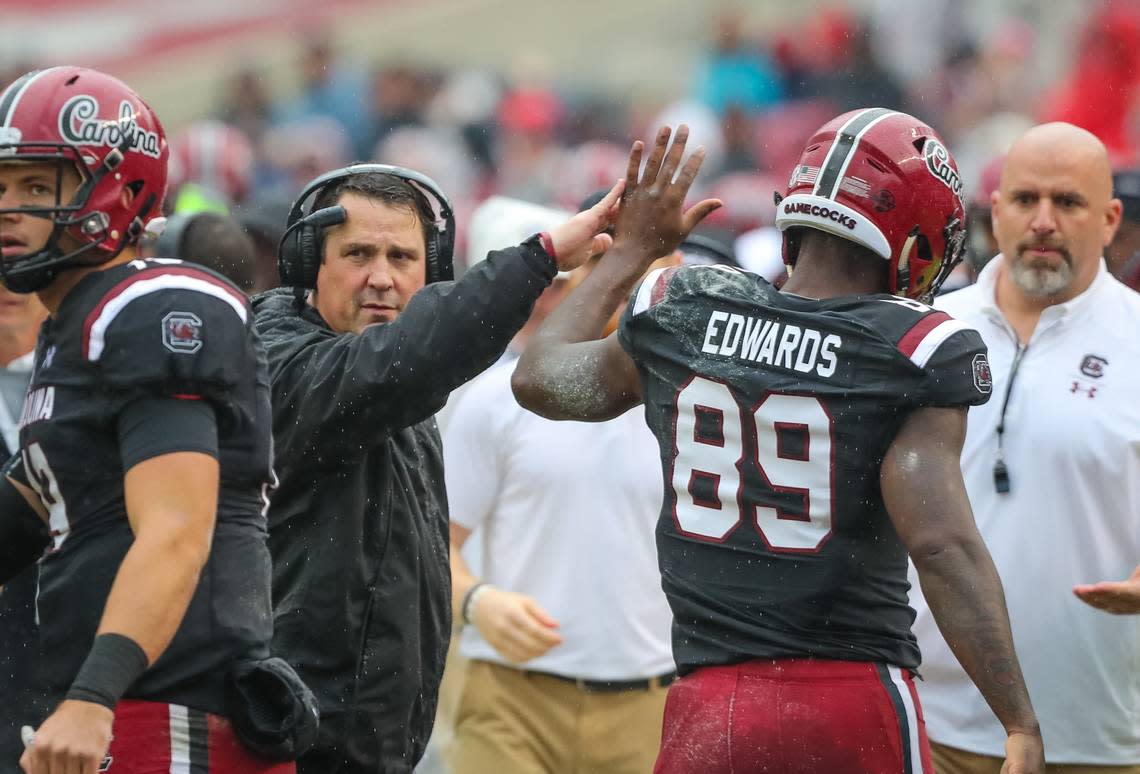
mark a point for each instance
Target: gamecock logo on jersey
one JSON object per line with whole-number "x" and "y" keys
{"x": 983, "y": 379}
{"x": 938, "y": 162}
{"x": 182, "y": 332}
{"x": 79, "y": 124}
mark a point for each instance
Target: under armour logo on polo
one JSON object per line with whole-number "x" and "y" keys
{"x": 1078, "y": 387}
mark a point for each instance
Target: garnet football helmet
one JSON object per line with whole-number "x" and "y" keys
{"x": 113, "y": 139}
{"x": 886, "y": 181}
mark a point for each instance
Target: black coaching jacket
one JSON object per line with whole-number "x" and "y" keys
{"x": 358, "y": 524}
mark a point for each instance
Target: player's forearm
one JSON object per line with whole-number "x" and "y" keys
{"x": 964, "y": 592}
{"x": 565, "y": 371}
{"x": 584, "y": 314}
{"x": 154, "y": 586}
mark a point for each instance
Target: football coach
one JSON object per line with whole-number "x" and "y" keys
{"x": 365, "y": 342}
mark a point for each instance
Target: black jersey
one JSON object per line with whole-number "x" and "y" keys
{"x": 773, "y": 413}
{"x": 139, "y": 330}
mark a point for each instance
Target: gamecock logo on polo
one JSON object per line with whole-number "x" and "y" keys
{"x": 938, "y": 162}
{"x": 182, "y": 332}
{"x": 79, "y": 124}
{"x": 1093, "y": 365}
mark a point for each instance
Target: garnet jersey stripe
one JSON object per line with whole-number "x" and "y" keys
{"x": 152, "y": 281}
{"x": 923, "y": 340}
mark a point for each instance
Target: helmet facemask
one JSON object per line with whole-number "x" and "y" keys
{"x": 37, "y": 269}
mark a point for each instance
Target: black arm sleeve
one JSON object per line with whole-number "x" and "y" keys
{"x": 958, "y": 373}
{"x": 337, "y": 393}
{"x": 151, "y": 427}
{"x": 23, "y": 534}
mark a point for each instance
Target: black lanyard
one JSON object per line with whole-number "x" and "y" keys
{"x": 1001, "y": 472}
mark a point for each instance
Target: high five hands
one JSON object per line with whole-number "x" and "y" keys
{"x": 646, "y": 209}
{"x": 651, "y": 220}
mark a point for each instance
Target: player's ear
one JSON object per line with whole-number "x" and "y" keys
{"x": 127, "y": 196}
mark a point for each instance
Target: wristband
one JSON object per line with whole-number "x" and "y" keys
{"x": 114, "y": 663}
{"x": 548, "y": 245}
{"x": 469, "y": 598}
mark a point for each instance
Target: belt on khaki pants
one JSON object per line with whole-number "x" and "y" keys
{"x": 611, "y": 686}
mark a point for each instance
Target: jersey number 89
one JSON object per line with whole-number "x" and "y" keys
{"x": 713, "y": 437}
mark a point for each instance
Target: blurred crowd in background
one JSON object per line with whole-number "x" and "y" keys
{"x": 754, "y": 96}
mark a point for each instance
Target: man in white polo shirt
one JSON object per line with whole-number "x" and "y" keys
{"x": 568, "y": 635}
{"x": 1052, "y": 466}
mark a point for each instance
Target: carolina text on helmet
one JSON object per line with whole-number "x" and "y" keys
{"x": 938, "y": 162}
{"x": 79, "y": 124}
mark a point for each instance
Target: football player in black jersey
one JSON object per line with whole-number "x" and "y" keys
{"x": 145, "y": 452}
{"x": 810, "y": 440}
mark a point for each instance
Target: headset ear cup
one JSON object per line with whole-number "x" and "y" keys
{"x": 309, "y": 252}
{"x": 287, "y": 260}
{"x": 433, "y": 268}
{"x": 445, "y": 268}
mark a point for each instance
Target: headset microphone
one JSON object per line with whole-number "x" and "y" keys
{"x": 329, "y": 216}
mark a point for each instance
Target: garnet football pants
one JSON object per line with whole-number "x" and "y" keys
{"x": 794, "y": 716}
{"x": 156, "y": 738}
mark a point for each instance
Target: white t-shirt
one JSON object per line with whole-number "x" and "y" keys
{"x": 1072, "y": 516}
{"x": 14, "y": 380}
{"x": 567, "y": 513}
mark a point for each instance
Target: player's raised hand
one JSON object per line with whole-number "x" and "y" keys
{"x": 514, "y": 624}
{"x": 653, "y": 219}
{"x": 1119, "y": 597}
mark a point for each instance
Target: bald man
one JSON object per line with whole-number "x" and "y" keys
{"x": 1052, "y": 467}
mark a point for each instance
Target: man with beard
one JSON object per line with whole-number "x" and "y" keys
{"x": 1052, "y": 467}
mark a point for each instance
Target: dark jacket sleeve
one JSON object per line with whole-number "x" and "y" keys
{"x": 335, "y": 394}
{"x": 23, "y": 534}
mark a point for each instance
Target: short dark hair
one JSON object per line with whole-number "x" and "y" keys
{"x": 218, "y": 242}
{"x": 389, "y": 189}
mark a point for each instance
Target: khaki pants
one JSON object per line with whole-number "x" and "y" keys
{"x": 950, "y": 760}
{"x": 514, "y": 722}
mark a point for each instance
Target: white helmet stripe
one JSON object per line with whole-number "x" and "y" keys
{"x": 11, "y": 97}
{"x": 843, "y": 148}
